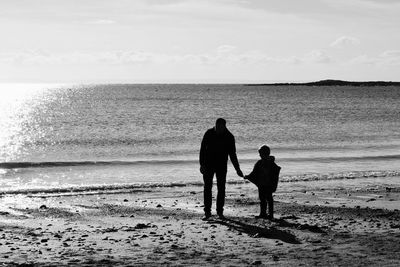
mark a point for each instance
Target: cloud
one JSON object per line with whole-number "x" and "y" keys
{"x": 226, "y": 49}
{"x": 391, "y": 57}
{"x": 25, "y": 57}
{"x": 317, "y": 56}
{"x": 223, "y": 55}
{"x": 391, "y": 54}
{"x": 387, "y": 58}
{"x": 382, "y": 2}
{"x": 364, "y": 60}
{"x": 39, "y": 57}
{"x": 102, "y": 22}
{"x": 370, "y": 4}
{"x": 345, "y": 41}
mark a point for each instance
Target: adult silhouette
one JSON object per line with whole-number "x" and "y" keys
{"x": 218, "y": 142}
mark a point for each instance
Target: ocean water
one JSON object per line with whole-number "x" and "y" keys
{"x": 105, "y": 137}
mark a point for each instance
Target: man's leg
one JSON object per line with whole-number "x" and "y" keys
{"x": 221, "y": 180}
{"x": 208, "y": 181}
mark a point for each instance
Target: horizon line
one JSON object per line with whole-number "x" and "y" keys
{"x": 194, "y": 82}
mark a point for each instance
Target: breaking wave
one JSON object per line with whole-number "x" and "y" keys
{"x": 131, "y": 187}
{"x": 49, "y": 164}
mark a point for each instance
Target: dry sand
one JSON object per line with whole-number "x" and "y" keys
{"x": 163, "y": 226}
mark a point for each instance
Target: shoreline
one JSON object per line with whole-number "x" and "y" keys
{"x": 353, "y": 179}
{"x": 162, "y": 226}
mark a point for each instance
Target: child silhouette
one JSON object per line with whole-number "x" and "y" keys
{"x": 265, "y": 176}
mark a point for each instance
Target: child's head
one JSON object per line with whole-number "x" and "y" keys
{"x": 264, "y": 151}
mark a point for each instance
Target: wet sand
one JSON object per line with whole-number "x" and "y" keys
{"x": 163, "y": 226}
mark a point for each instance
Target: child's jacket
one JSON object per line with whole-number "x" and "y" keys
{"x": 265, "y": 174}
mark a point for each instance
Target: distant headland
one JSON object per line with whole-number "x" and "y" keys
{"x": 333, "y": 83}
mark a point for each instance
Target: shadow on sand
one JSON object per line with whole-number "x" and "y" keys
{"x": 312, "y": 228}
{"x": 257, "y": 231}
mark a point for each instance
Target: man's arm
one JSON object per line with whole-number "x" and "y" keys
{"x": 233, "y": 157}
{"x": 202, "y": 155}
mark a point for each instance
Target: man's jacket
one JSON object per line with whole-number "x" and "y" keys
{"x": 215, "y": 149}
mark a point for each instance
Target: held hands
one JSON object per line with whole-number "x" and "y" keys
{"x": 239, "y": 173}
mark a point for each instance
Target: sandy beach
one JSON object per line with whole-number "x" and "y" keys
{"x": 163, "y": 226}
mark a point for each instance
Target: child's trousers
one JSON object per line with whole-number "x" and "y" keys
{"x": 265, "y": 196}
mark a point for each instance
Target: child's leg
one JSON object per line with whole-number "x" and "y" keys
{"x": 263, "y": 201}
{"x": 270, "y": 201}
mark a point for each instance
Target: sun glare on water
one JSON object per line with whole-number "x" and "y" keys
{"x": 17, "y": 110}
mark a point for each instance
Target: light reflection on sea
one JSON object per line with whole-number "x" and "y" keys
{"x": 18, "y": 121}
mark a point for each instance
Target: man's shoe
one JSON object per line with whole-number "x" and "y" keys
{"x": 262, "y": 216}
{"x": 221, "y": 216}
{"x": 206, "y": 217}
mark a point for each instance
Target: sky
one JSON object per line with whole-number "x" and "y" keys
{"x": 198, "y": 41}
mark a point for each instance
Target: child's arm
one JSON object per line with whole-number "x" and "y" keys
{"x": 253, "y": 175}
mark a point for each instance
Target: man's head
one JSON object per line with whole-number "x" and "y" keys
{"x": 220, "y": 126}
{"x": 264, "y": 151}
